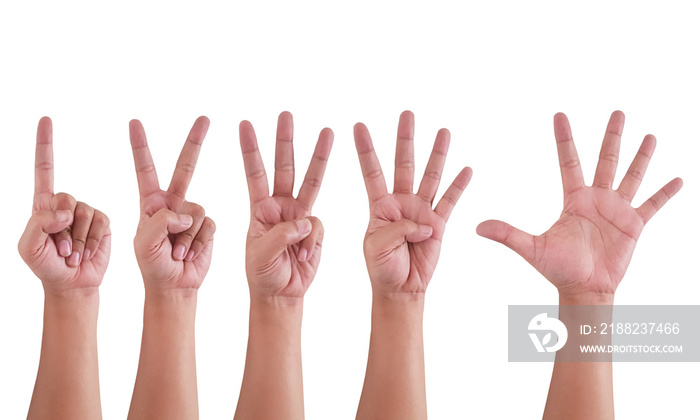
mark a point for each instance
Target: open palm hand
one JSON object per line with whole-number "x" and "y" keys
{"x": 590, "y": 247}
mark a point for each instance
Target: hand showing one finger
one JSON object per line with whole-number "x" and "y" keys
{"x": 66, "y": 242}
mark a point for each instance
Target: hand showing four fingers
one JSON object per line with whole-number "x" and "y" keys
{"x": 66, "y": 242}
{"x": 586, "y": 252}
{"x": 283, "y": 247}
{"x": 173, "y": 243}
{"x": 403, "y": 239}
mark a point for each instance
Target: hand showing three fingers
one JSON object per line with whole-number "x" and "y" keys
{"x": 586, "y": 252}
{"x": 283, "y": 248}
{"x": 403, "y": 239}
{"x": 174, "y": 239}
{"x": 66, "y": 242}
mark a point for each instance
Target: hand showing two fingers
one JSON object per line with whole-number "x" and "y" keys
{"x": 174, "y": 240}
{"x": 283, "y": 248}
{"x": 66, "y": 242}
{"x": 403, "y": 239}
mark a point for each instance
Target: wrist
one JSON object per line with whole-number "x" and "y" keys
{"x": 398, "y": 309}
{"x": 398, "y": 299}
{"x": 171, "y": 295}
{"x": 170, "y": 303}
{"x": 586, "y": 298}
{"x": 82, "y": 300}
{"x": 74, "y": 295}
{"x": 276, "y": 309}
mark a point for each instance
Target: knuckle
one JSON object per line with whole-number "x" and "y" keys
{"x": 101, "y": 218}
{"x": 571, "y": 163}
{"x": 435, "y": 175}
{"x": 374, "y": 173}
{"x": 64, "y": 199}
{"x": 209, "y": 223}
{"x": 635, "y": 174}
{"x": 147, "y": 169}
{"x": 197, "y": 211}
{"x": 609, "y": 157}
{"x": 186, "y": 167}
{"x": 449, "y": 200}
{"x": 289, "y": 167}
{"x": 83, "y": 211}
{"x": 313, "y": 182}
{"x": 256, "y": 174}
{"x": 44, "y": 166}
{"x": 655, "y": 202}
{"x": 405, "y": 164}
{"x": 424, "y": 197}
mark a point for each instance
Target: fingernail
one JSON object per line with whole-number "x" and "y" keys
{"x": 64, "y": 248}
{"x": 74, "y": 259}
{"x": 190, "y": 255}
{"x": 426, "y": 230}
{"x": 179, "y": 252}
{"x": 185, "y": 219}
{"x": 303, "y": 226}
{"x": 86, "y": 255}
{"x": 302, "y": 255}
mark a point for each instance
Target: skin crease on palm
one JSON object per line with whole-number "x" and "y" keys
{"x": 283, "y": 247}
{"x": 66, "y": 243}
{"x": 586, "y": 252}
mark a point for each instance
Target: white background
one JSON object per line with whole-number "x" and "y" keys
{"x": 494, "y": 73}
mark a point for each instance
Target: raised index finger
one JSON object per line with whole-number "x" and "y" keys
{"x": 258, "y": 188}
{"x": 145, "y": 170}
{"x": 371, "y": 170}
{"x": 43, "y": 163}
{"x": 184, "y": 169}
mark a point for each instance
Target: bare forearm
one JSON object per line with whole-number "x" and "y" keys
{"x": 166, "y": 383}
{"x": 394, "y": 385}
{"x": 582, "y": 390}
{"x": 272, "y": 382}
{"x": 67, "y": 384}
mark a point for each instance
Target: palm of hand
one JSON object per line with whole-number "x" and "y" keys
{"x": 590, "y": 247}
{"x": 60, "y": 219}
{"x": 285, "y": 275}
{"x": 173, "y": 250}
{"x": 403, "y": 239}
{"x": 410, "y": 266}
{"x": 51, "y": 267}
{"x": 157, "y": 263}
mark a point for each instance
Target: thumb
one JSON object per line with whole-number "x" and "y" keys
{"x": 277, "y": 239}
{"x": 514, "y": 238}
{"x": 396, "y": 234}
{"x": 42, "y": 224}
{"x": 164, "y": 222}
